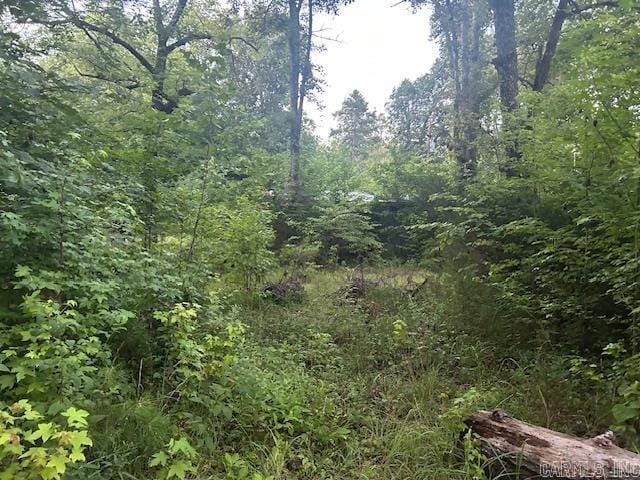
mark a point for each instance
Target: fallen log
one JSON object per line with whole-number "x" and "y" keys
{"x": 528, "y": 451}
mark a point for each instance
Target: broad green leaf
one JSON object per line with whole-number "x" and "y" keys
{"x": 623, "y": 413}
{"x": 75, "y": 417}
{"x": 179, "y": 469}
{"x": 159, "y": 458}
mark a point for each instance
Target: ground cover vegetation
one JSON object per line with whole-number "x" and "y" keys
{"x": 194, "y": 285}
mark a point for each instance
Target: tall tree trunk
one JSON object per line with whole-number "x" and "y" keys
{"x": 294, "y": 185}
{"x": 463, "y": 35}
{"x": 506, "y": 63}
{"x": 159, "y": 99}
{"x": 544, "y": 64}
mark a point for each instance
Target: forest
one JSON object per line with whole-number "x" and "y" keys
{"x": 195, "y": 284}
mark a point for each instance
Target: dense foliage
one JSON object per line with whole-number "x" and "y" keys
{"x": 168, "y": 309}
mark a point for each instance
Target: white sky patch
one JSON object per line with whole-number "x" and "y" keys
{"x": 380, "y": 43}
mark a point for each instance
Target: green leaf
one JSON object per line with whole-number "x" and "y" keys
{"x": 45, "y": 431}
{"x": 79, "y": 440}
{"x": 75, "y": 417}
{"x": 55, "y": 408}
{"x": 77, "y": 456}
{"x": 180, "y": 469}
{"x": 7, "y": 381}
{"x": 182, "y": 446}
{"x": 159, "y": 458}
{"x": 22, "y": 271}
{"x": 623, "y": 413}
{"x": 58, "y": 462}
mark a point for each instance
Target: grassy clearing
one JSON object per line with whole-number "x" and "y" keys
{"x": 345, "y": 383}
{"x": 399, "y": 372}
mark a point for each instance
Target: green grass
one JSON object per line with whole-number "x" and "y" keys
{"x": 330, "y": 387}
{"x": 399, "y": 399}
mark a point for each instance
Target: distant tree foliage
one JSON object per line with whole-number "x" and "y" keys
{"x": 358, "y": 128}
{"x": 416, "y": 115}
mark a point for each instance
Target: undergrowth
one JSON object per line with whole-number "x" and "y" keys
{"x": 399, "y": 368}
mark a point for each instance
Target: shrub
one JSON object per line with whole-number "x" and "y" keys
{"x": 345, "y": 234}
{"x": 238, "y": 240}
{"x": 33, "y": 448}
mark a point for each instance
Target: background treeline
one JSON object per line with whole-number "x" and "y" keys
{"x": 157, "y": 168}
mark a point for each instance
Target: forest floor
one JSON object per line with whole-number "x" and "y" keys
{"x": 398, "y": 370}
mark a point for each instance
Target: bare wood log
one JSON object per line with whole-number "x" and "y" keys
{"x": 529, "y": 451}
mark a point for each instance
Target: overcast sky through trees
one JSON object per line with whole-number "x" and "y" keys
{"x": 380, "y": 43}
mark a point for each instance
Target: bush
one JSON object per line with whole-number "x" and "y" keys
{"x": 287, "y": 289}
{"x": 345, "y": 234}
{"x": 33, "y": 448}
{"x": 238, "y": 238}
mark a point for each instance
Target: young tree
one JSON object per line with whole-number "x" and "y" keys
{"x": 358, "y": 127}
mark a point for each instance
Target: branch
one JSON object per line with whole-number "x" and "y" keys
{"x": 115, "y": 39}
{"x": 93, "y": 40}
{"x": 577, "y": 9}
{"x": 245, "y": 41}
{"x": 525, "y": 82}
{"x": 177, "y": 14}
{"x": 328, "y": 39}
{"x": 48, "y": 23}
{"x": 132, "y": 86}
{"x": 84, "y": 25}
{"x": 157, "y": 16}
{"x": 191, "y": 37}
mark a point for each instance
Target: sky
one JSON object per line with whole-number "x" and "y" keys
{"x": 372, "y": 46}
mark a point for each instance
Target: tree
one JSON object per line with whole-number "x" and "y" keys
{"x": 127, "y": 29}
{"x": 506, "y": 64}
{"x": 564, "y": 10}
{"x": 300, "y": 41}
{"x": 299, "y": 76}
{"x": 416, "y": 114}
{"x": 260, "y": 74}
{"x": 506, "y": 61}
{"x": 357, "y": 129}
{"x": 459, "y": 25}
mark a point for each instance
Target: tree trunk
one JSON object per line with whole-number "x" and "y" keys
{"x": 463, "y": 43}
{"x": 506, "y": 63}
{"x": 544, "y": 64}
{"x": 529, "y": 451}
{"x": 160, "y": 101}
{"x": 294, "y": 185}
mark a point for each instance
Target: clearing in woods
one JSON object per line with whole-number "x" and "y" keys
{"x": 401, "y": 370}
